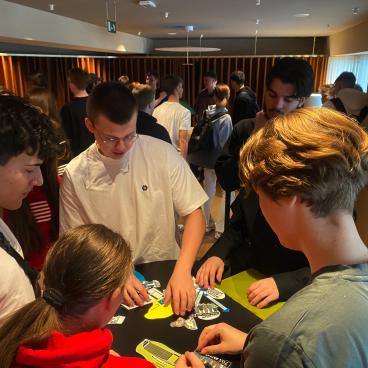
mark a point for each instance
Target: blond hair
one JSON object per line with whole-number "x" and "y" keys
{"x": 319, "y": 154}
{"x": 84, "y": 266}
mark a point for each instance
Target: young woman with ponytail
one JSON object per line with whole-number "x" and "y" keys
{"x": 83, "y": 279}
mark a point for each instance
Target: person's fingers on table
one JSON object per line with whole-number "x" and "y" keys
{"x": 212, "y": 275}
{"x": 205, "y": 337}
{"x": 182, "y": 362}
{"x": 193, "y": 360}
{"x": 141, "y": 289}
{"x": 183, "y": 302}
{"x": 199, "y": 276}
{"x": 202, "y": 275}
{"x": 191, "y": 299}
{"x": 251, "y": 294}
{"x": 252, "y": 288}
{"x": 219, "y": 273}
{"x": 266, "y": 301}
{"x": 167, "y": 294}
{"x": 175, "y": 301}
{"x": 135, "y": 296}
{"x": 260, "y": 296}
{"x": 127, "y": 299}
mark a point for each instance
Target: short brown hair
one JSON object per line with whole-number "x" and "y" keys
{"x": 79, "y": 78}
{"x": 222, "y": 91}
{"x": 319, "y": 154}
{"x": 144, "y": 95}
{"x": 113, "y": 100}
{"x": 238, "y": 77}
{"x": 170, "y": 83}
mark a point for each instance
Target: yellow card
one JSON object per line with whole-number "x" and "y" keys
{"x": 158, "y": 311}
{"x": 236, "y": 286}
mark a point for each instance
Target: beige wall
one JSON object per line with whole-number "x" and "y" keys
{"x": 245, "y": 46}
{"x": 21, "y": 24}
{"x": 350, "y": 41}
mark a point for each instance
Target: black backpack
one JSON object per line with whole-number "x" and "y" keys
{"x": 202, "y": 134}
{"x": 339, "y": 106}
{"x": 201, "y": 149}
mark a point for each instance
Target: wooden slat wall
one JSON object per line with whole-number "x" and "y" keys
{"x": 14, "y": 71}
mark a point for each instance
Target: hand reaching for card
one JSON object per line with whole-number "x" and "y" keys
{"x": 134, "y": 292}
{"x": 212, "y": 269}
{"x": 180, "y": 290}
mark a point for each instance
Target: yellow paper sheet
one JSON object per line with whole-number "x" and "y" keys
{"x": 159, "y": 311}
{"x": 236, "y": 286}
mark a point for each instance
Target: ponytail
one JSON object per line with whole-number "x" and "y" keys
{"x": 30, "y": 324}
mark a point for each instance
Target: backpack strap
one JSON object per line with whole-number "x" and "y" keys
{"x": 217, "y": 116}
{"x": 339, "y": 106}
{"x": 31, "y": 273}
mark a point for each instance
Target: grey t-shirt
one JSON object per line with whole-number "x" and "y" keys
{"x": 323, "y": 325}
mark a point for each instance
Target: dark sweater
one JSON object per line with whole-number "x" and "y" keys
{"x": 249, "y": 242}
{"x": 226, "y": 167}
{"x": 147, "y": 125}
{"x": 73, "y": 115}
{"x": 245, "y": 105}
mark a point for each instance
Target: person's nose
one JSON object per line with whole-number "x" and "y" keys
{"x": 37, "y": 179}
{"x": 280, "y": 103}
{"x": 120, "y": 145}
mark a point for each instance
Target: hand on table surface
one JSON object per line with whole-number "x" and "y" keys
{"x": 188, "y": 360}
{"x": 180, "y": 290}
{"x": 211, "y": 269}
{"x": 221, "y": 339}
{"x": 263, "y": 292}
{"x": 130, "y": 293}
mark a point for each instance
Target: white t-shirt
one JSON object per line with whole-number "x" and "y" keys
{"x": 173, "y": 117}
{"x": 15, "y": 288}
{"x": 137, "y": 196}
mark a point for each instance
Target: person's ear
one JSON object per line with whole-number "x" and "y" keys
{"x": 114, "y": 299}
{"x": 89, "y": 125}
{"x": 301, "y": 102}
{"x": 151, "y": 105}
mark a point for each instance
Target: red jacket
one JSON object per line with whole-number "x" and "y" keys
{"x": 82, "y": 350}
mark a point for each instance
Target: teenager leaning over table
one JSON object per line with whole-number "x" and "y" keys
{"x": 307, "y": 168}
{"x": 83, "y": 281}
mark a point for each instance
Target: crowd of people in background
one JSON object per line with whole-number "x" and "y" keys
{"x": 92, "y": 188}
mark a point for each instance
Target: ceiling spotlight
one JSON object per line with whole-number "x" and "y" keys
{"x": 257, "y": 21}
{"x": 166, "y": 15}
{"x": 52, "y": 7}
{"x": 139, "y": 33}
{"x": 302, "y": 15}
{"x": 258, "y": 2}
{"x": 355, "y": 11}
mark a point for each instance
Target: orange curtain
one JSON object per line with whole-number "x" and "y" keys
{"x": 15, "y": 69}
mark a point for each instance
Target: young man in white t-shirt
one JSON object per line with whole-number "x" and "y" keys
{"x": 173, "y": 116}
{"x": 135, "y": 185}
{"x": 26, "y": 139}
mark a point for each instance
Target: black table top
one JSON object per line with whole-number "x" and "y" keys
{"x": 135, "y": 328}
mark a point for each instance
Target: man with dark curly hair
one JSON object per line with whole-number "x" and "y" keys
{"x": 26, "y": 139}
